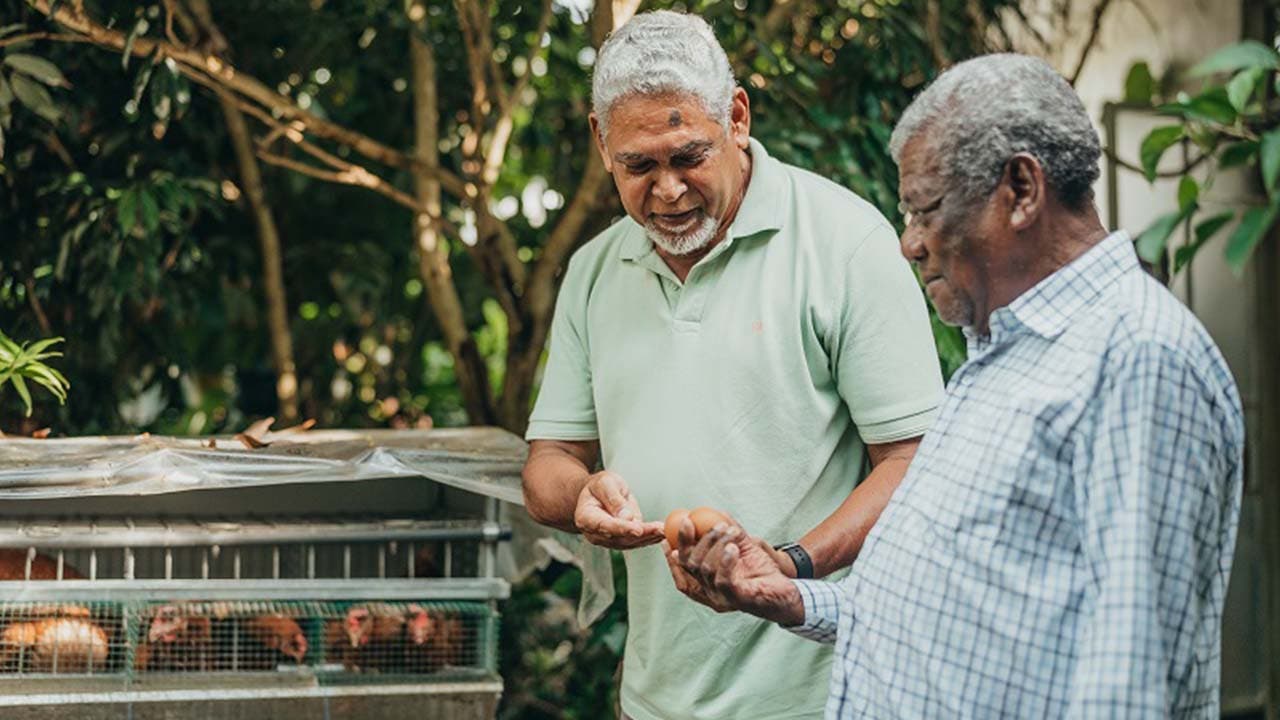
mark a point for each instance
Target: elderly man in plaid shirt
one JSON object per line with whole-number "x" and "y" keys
{"x": 1061, "y": 543}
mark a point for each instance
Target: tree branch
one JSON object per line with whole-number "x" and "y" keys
{"x": 567, "y": 235}
{"x": 202, "y": 66}
{"x": 355, "y": 176}
{"x": 29, "y": 37}
{"x": 433, "y": 259}
{"x": 1018, "y": 12}
{"x": 36, "y": 307}
{"x": 1098, "y": 11}
{"x": 933, "y": 34}
{"x": 1191, "y": 165}
{"x": 496, "y": 151}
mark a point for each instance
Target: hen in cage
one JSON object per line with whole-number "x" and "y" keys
{"x": 278, "y": 638}
{"x": 277, "y": 599}
{"x": 61, "y": 638}
{"x": 58, "y": 644}
{"x": 176, "y": 641}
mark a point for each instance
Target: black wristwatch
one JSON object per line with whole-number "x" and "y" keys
{"x": 799, "y": 556}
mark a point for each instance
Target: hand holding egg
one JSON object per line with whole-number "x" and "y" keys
{"x": 716, "y": 563}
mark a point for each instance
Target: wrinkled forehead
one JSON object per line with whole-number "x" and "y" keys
{"x": 656, "y": 112}
{"x": 920, "y": 167}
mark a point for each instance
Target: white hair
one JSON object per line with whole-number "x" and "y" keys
{"x": 983, "y": 111}
{"x": 663, "y": 52}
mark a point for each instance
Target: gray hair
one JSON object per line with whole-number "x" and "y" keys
{"x": 982, "y": 112}
{"x": 658, "y": 53}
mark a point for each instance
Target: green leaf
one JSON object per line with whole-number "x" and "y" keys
{"x": 35, "y": 97}
{"x": 1211, "y": 106}
{"x": 1210, "y": 227}
{"x": 41, "y": 345}
{"x": 38, "y": 68}
{"x": 1151, "y": 242}
{"x": 1247, "y": 54}
{"x": 1139, "y": 86}
{"x": 1241, "y": 87}
{"x": 1238, "y": 154}
{"x": 6, "y": 93}
{"x": 150, "y": 211}
{"x": 21, "y": 386}
{"x": 1205, "y": 230}
{"x": 1188, "y": 193}
{"x": 1252, "y": 228}
{"x": 1154, "y": 146}
{"x": 126, "y": 211}
{"x": 1269, "y": 157}
{"x": 10, "y": 29}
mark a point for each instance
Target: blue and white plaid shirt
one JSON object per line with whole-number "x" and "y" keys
{"x": 1061, "y": 543}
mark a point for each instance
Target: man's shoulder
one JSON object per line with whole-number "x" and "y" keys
{"x": 1148, "y": 318}
{"x": 836, "y": 218}
{"x": 609, "y": 244}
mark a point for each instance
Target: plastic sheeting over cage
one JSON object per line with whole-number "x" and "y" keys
{"x": 482, "y": 461}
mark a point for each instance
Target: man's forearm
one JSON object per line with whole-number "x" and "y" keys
{"x": 836, "y": 541}
{"x": 553, "y": 480}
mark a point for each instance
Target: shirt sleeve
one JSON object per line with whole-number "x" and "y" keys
{"x": 1158, "y": 506}
{"x": 884, "y": 356}
{"x": 822, "y": 602}
{"x": 565, "y": 408}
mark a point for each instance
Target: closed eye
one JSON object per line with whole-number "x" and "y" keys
{"x": 910, "y": 216}
{"x": 688, "y": 161}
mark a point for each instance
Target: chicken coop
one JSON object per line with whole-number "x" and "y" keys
{"x": 311, "y": 575}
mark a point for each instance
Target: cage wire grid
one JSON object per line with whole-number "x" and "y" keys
{"x": 340, "y": 642}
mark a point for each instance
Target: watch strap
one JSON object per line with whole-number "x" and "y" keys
{"x": 800, "y": 557}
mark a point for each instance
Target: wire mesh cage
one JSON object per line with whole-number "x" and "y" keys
{"x": 296, "y": 581}
{"x": 62, "y": 638}
{"x": 339, "y": 641}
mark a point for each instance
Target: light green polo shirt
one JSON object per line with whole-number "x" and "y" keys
{"x": 751, "y": 387}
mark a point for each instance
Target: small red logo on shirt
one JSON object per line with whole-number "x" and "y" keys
{"x": 757, "y": 327}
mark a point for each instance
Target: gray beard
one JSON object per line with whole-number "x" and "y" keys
{"x": 689, "y": 242}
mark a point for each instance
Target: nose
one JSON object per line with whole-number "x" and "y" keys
{"x": 911, "y": 244}
{"x": 669, "y": 187}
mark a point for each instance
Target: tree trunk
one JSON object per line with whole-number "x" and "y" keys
{"x": 433, "y": 258}
{"x": 272, "y": 265}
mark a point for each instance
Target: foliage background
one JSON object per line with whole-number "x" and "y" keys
{"x": 124, "y": 226}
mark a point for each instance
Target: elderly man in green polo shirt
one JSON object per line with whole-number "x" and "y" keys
{"x": 748, "y": 338}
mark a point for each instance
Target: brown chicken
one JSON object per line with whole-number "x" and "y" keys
{"x": 176, "y": 641}
{"x": 60, "y": 645}
{"x": 436, "y": 640}
{"x": 13, "y": 566}
{"x": 281, "y": 637}
{"x": 368, "y": 637}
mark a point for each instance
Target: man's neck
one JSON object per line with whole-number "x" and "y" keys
{"x": 1055, "y": 242}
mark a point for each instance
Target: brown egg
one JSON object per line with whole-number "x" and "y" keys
{"x": 672, "y": 527}
{"x": 705, "y": 518}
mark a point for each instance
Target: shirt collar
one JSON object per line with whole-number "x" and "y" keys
{"x": 1048, "y": 307}
{"x": 763, "y": 206}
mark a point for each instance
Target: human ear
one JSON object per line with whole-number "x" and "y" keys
{"x": 599, "y": 141}
{"x": 1026, "y": 184}
{"x": 740, "y": 118}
